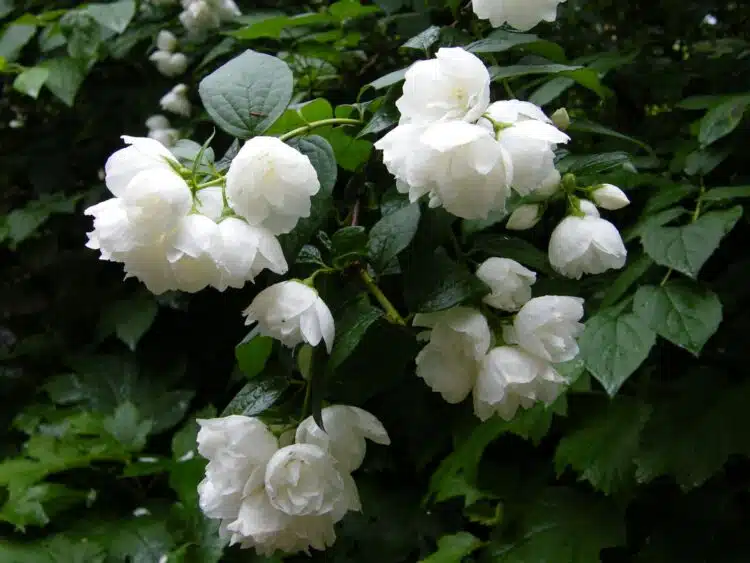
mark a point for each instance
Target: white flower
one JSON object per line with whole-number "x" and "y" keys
{"x": 529, "y": 137}
{"x": 460, "y": 165}
{"x": 509, "y": 281}
{"x": 244, "y": 252}
{"x": 142, "y": 154}
{"x": 549, "y": 186}
{"x": 453, "y": 85}
{"x": 270, "y": 184}
{"x": 210, "y": 202}
{"x": 302, "y": 496}
{"x": 196, "y": 243}
{"x": 157, "y": 121}
{"x": 167, "y": 137}
{"x": 169, "y": 64}
{"x": 511, "y": 377}
{"x": 238, "y": 449}
{"x": 344, "y": 436}
{"x": 176, "y": 101}
{"x": 609, "y": 197}
{"x": 521, "y": 14}
{"x": 547, "y": 327}
{"x": 293, "y": 313}
{"x": 302, "y": 480}
{"x": 459, "y": 338}
{"x": 524, "y": 217}
{"x": 198, "y": 16}
{"x": 586, "y": 245}
{"x": 166, "y": 41}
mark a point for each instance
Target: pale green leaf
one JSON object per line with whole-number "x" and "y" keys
{"x": 452, "y": 549}
{"x": 114, "y": 15}
{"x": 31, "y": 80}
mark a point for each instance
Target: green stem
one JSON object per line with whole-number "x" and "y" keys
{"x": 211, "y": 184}
{"x": 315, "y": 124}
{"x": 666, "y": 277}
{"x": 390, "y": 311}
{"x": 508, "y": 89}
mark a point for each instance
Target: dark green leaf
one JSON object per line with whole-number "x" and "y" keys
{"x": 687, "y": 248}
{"x": 114, "y": 15}
{"x": 256, "y": 396}
{"x": 348, "y": 245}
{"x": 385, "y": 116}
{"x": 424, "y": 40}
{"x": 252, "y": 354}
{"x": 722, "y": 119}
{"x": 391, "y": 235}
{"x": 65, "y": 78}
{"x": 130, "y": 319}
{"x": 681, "y": 311}
{"x": 351, "y": 327}
{"x": 434, "y": 282}
{"x": 564, "y": 526}
{"x": 274, "y": 27}
{"x": 321, "y": 156}
{"x": 593, "y": 163}
{"x": 389, "y": 79}
{"x": 613, "y": 345}
{"x": 501, "y": 72}
{"x": 602, "y": 450}
{"x": 635, "y": 269}
{"x": 127, "y": 426}
{"x": 452, "y": 549}
{"x": 247, "y": 94}
{"x": 726, "y": 194}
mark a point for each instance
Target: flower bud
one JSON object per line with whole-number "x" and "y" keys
{"x": 609, "y": 197}
{"x": 166, "y": 41}
{"x": 561, "y": 119}
{"x": 524, "y": 217}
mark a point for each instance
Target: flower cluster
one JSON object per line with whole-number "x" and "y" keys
{"x": 272, "y": 496}
{"x": 521, "y": 14}
{"x": 168, "y": 61}
{"x": 161, "y": 130}
{"x": 459, "y": 358}
{"x": 200, "y": 16}
{"x": 172, "y": 234}
{"x": 464, "y": 153}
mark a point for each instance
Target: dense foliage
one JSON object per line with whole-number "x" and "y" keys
{"x": 642, "y": 458}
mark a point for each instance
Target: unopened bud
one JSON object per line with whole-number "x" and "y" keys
{"x": 561, "y": 119}
{"x": 524, "y": 217}
{"x": 609, "y": 197}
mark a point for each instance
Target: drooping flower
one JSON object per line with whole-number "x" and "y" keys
{"x": 509, "y": 281}
{"x": 459, "y": 338}
{"x": 547, "y": 327}
{"x": 524, "y": 217}
{"x": 292, "y": 312}
{"x": 343, "y": 434}
{"x": 176, "y": 101}
{"x": 511, "y": 378}
{"x": 521, "y": 14}
{"x": 586, "y": 245}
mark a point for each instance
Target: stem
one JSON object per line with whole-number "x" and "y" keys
{"x": 508, "y": 89}
{"x": 212, "y": 183}
{"x": 697, "y": 211}
{"x": 315, "y": 124}
{"x": 391, "y": 313}
{"x": 665, "y": 278}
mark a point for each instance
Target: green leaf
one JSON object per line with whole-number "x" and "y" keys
{"x": 708, "y": 414}
{"x": 667, "y": 196}
{"x": 65, "y": 78}
{"x": 452, "y": 549}
{"x": 592, "y": 163}
{"x": 274, "y": 27}
{"x": 299, "y": 115}
{"x": 585, "y": 126}
{"x": 726, "y": 194}
{"x": 434, "y": 282}
{"x": 391, "y": 235}
{"x": 114, "y": 15}
{"x": 247, "y": 94}
{"x": 424, "y": 40}
{"x": 130, "y": 319}
{"x": 385, "y": 116}
{"x": 31, "y": 80}
{"x": 613, "y": 345}
{"x": 681, "y": 311}
{"x": 253, "y": 353}
{"x": 349, "y": 9}
{"x": 351, "y": 327}
{"x": 602, "y": 450}
{"x": 389, "y": 79}
{"x": 135, "y": 540}
{"x": 350, "y": 153}
{"x": 348, "y": 245}
{"x": 517, "y": 249}
{"x": 687, "y": 248}
{"x": 14, "y": 38}
{"x": 722, "y": 119}
{"x": 256, "y": 396}
{"x": 564, "y": 526}
{"x": 321, "y": 156}
{"x": 127, "y": 427}
{"x": 57, "y": 549}
{"x": 635, "y": 269}
{"x": 501, "y": 72}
